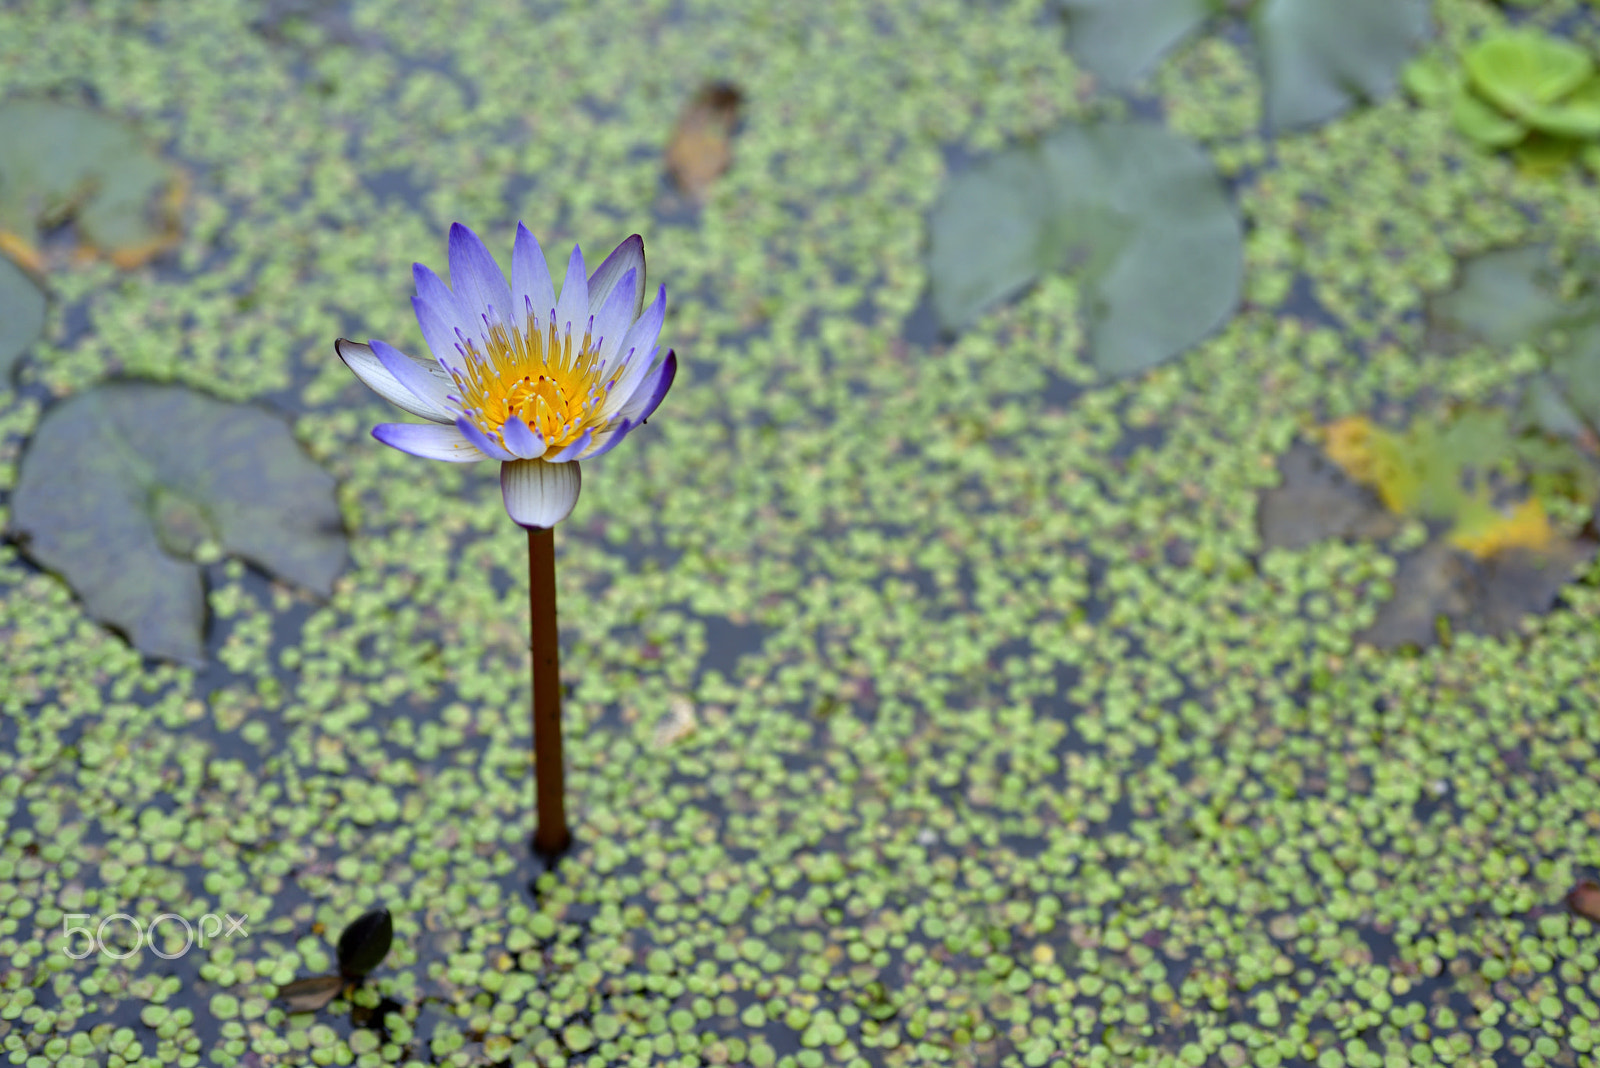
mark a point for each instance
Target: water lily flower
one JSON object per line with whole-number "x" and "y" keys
{"x": 522, "y": 377}
{"x": 538, "y": 384}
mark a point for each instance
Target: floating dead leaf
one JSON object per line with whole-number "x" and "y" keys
{"x": 1526, "y": 527}
{"x": 1584, "y": 899}
{"x": 1480, "y": 483}
{"x": 309, "y": 995}
{"x": 1367, "y": 455}
{"x": 679, "y": 722}
{"x": 1445, "y": 472}
{"x": 1488, "y": 596}
{"x": 699, "y": 150}
{"x": 1317, "y": 501}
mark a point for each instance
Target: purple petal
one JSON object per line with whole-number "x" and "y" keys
{"x": 610, "y": 439}
{"x": 573, "y": 307}
{"x": 483, "y": 441}
{"x": 429, "y": 441}
{"x": 612, "y": 321}
{"x": 530, "y": 277}
{"x": 521, "y": 440}
{"x": 425, "y": 379}
{"x": 445, "y": 304}
{"x": 643, "y": 404}
{"x": 376, "y": 376}
{"x": 631, "y": 365}
{"x": 573, "y": 451}
{"x": 438, "y": 332}
{"x": 479, "y": 283}
{"x": 539, "y": 494}
{"x": 628, "y": 256}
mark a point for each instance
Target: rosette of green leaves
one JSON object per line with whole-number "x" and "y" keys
{"x": 1522, "y": 90}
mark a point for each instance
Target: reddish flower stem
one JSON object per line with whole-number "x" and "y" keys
{"x": 551, "y": 836}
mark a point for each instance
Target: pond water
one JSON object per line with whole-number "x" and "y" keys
{"x": 933, "y": 696}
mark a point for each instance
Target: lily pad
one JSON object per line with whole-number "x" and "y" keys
{"x": 1523, "y": 70}
{"x": 1576, "y": 369}
{"x": 60, "y": 162}
{"x": 121, "y": 485}
{"x": 1509, "y": 297}
{"x": 1135, "y": 211}
{"x": 1319, "y": 58}
{"x": 22, "y": 307}
{"x": 1505, "y": 297}
{"x": 1120, "y": 40}
{"x": 1546, "y": 407}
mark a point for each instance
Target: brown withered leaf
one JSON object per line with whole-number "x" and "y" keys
{"x": 309, "y": 995}
{"x": 699, "y": 150}
{"x": 1584, "y": 899}
{"x": 1317, "y": 501}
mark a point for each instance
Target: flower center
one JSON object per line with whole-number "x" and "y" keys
{"x": 552, "y": 385}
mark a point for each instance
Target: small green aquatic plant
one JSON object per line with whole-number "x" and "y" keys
{"x": 362, "y": 946}
{"x": 1522, "y": 90}
{"x": 538, "y": 383}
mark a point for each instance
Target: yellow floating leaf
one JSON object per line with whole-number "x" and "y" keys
{"x": 1347, "y": 443}
{"x": 1527, "y": 527}
{"x": 1374, "y": 458}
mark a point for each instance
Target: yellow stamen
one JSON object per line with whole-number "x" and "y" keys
{"x": 553, "y": 386}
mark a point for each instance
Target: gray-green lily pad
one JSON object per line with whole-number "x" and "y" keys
{"x": 1545, "y": 406}
{"x": 121, "y": 485}
{"x": 1136, "y": 211}
{"x": 1319, "y": 58}
{"x": 1576, "y": 367}
{"x": 1509, "y": 297}
{"x": 22, "y": 306}
{"x": 1505, "y": 297}
{"x": 1120, "y": 40}
{"x": 58, "y": 161}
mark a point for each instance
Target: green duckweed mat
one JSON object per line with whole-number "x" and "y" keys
{"x": 930, "y": 702}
